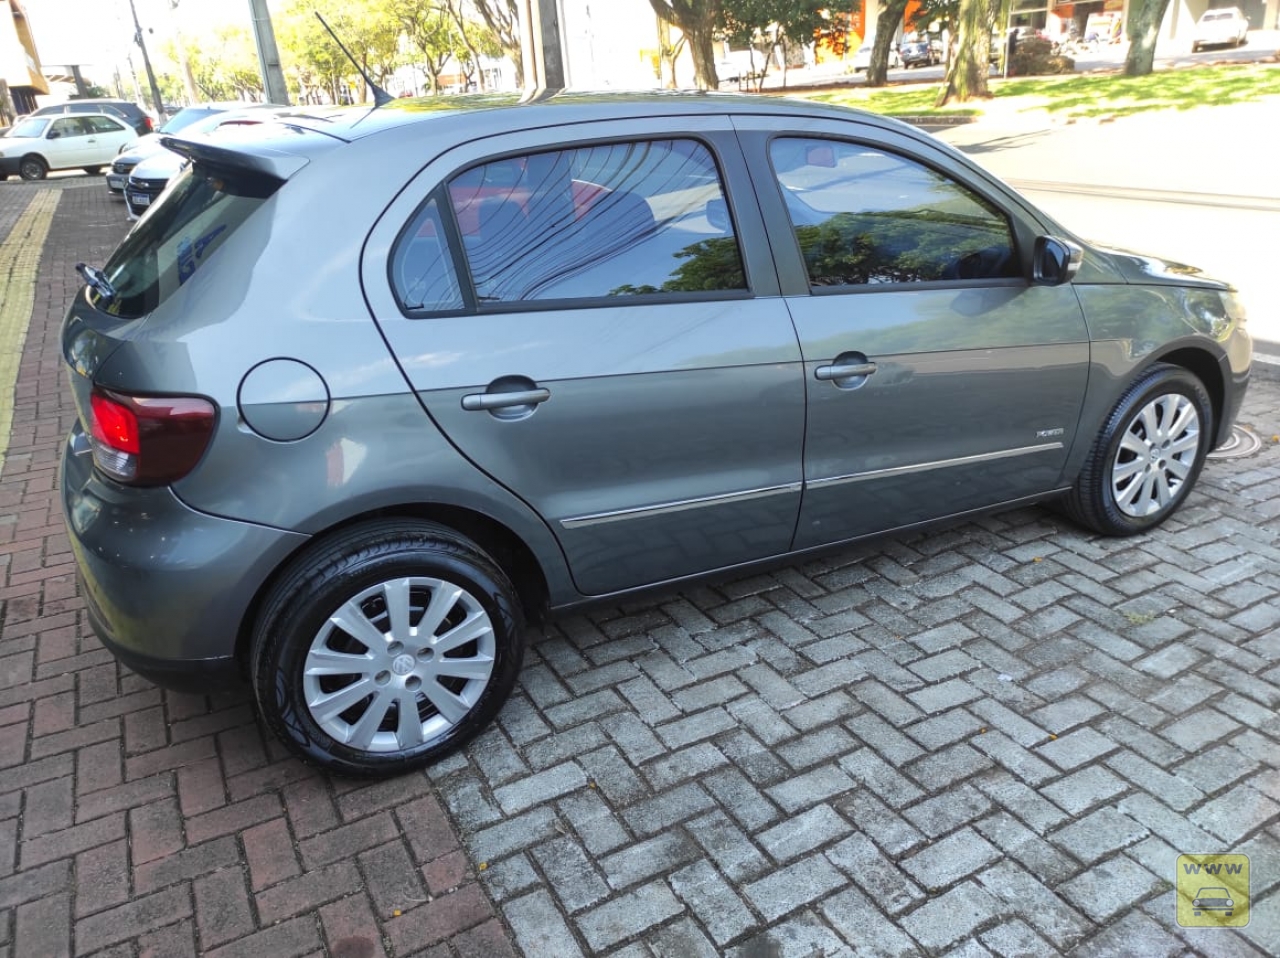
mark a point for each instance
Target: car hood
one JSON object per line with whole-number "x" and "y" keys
{"x": 142, "y": 147}
{"x": 1153, "y": 270}
{"x": 159, "y": 166}
{"x": 11, "y": 144}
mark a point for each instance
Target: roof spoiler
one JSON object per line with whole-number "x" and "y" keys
{"x": 245, "y": 158}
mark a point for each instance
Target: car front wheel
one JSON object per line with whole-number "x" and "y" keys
{"x": 1145, "y": 461}
{"x": 387, "y": 648}
{"x": 33, "y": 168}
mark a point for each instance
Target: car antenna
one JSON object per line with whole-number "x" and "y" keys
{"x": 380, "y": 96}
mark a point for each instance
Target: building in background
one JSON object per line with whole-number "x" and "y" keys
{"x": 20, "y": 70}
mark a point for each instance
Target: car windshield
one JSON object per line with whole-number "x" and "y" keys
{"x": 32, "y": 127}
{"x": 195, "y": 217}
{"x": 184, "y": 118}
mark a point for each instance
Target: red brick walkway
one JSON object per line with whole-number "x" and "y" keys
{"x": 135, "y": 822}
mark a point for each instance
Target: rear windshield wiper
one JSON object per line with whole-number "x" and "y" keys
{"x": 97, "y": 281}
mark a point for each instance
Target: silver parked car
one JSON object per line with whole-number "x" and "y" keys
{"x": 361, "y": 393}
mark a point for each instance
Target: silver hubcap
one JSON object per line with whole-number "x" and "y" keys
{"x": 399, "y": 664}
{"x": 1156, "y": 455}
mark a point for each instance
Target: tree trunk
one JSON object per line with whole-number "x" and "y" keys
{"x": 891, "y": 12}
{"x": 967, "y": 76}
{"x": 702, "y": 46}
{"x": 456, "y": 11}
{"x": 1145, "y": 17}
{"x": 697, "y": 21}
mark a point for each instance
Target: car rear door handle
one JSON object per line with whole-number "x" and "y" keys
{"x": 838, "y": 370}
{"x": 527, "y": 397}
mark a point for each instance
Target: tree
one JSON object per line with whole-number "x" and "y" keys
{"x": 967, "y": 71}
{"x": 775, "y": 22}
{"x": 431, "y": 31}
{"x": 502, "y": 17}
{"x": 224, "y": 65}
{"x": 312, "y": 61}
{"x": 699, "y": 21}
{"x": 1144, "y": 23}
{"x": 891, "y": 12}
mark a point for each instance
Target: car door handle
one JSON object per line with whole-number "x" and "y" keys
{"x": 839, "y": 370}
{"x": 526, "y": 397}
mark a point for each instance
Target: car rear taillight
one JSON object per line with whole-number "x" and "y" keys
{"x": 148, "y": 440}
{"x": 150, "y": 124}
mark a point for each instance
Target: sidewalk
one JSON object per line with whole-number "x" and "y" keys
{"x": 993, "y": 739}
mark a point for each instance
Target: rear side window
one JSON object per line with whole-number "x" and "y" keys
{"x": 201, "y": 211}
{"x": 102, "y": 124}
{"x": 864, "y": 216}
{"x": 608, "y": 221}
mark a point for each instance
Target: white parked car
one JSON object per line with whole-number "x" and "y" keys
{"x": 38, "y": 144}
{"x": 862, "y": 59}
{"x": 1226, "y": 26}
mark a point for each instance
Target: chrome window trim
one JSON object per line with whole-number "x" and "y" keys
{"x": 680, "y": 505}
{"x": 936, "y": 464}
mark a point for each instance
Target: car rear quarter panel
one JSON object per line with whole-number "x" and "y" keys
{"x": 261, "y": 298}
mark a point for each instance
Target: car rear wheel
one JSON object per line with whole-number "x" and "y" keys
{"x": 33, "y": 168}
{"x": 387, "y": 648}
{"x": 1146, "y": 459}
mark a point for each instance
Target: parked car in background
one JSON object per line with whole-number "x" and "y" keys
{"x": 135, "y": 116}
{"x": 38, "y": 144}
{"x": 359, "y": 394}
{"x": 862, "y": 58}
{"x": 1225, "y": 26}
{"x": 192, "y": 119}
{"x": 918, "y": 52}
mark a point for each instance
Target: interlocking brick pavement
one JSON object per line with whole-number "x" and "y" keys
{"x": 992, "y": 739}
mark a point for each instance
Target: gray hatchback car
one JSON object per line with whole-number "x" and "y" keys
{"x": 363, "y": 392}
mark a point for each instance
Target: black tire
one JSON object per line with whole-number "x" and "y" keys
{"x": 33, "y": 168}
{"x": 93, "y": 170}
{"x": 1093, "y": 502}
{"x": 296, "y": 620}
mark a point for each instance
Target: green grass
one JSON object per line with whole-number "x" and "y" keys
{"x": 1083, "y": 95}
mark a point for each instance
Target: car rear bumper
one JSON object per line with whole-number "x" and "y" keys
{"x": 168, "y": 588}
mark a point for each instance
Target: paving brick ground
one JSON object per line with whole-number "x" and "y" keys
{"x": 990, "y": 740}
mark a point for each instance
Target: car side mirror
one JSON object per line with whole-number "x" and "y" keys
{"x": 53, "y": 135}
{"x": 1055, "y": 261}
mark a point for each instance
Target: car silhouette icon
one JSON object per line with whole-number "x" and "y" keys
{"x": 1213, "y": 899}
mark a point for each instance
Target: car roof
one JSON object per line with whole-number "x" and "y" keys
{"x": 352, "y": 123}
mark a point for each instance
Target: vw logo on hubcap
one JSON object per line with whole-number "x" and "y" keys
{"x": 402, "y": 664}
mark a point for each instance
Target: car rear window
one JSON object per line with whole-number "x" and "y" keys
{"x": 200, "y": 212}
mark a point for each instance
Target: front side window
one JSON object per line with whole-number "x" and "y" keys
{"x": 864, "y": 216}
{"x": 613, "y": 220}
{"x": 68, "y": 127}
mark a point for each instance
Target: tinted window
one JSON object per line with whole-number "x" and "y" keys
{"x": 422, "y": 272}
{"x": 864, "y": 216}
{"x": 198, "y": 214}
{"x": 604, "y": 221}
